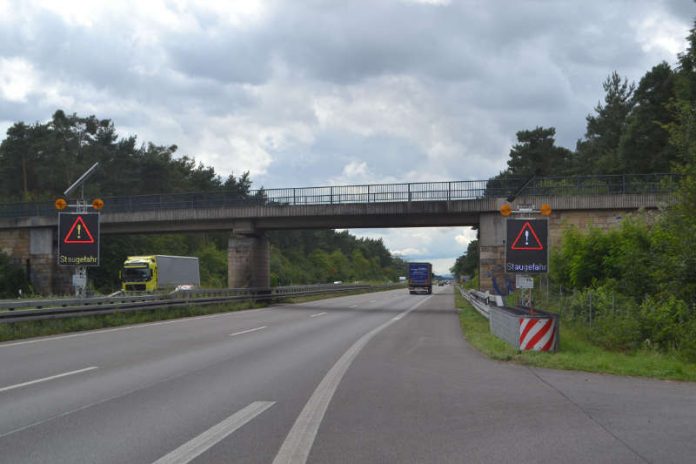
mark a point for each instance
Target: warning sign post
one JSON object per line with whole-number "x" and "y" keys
{"x": 78, "y": 239}
{"x": 526, "y": 246}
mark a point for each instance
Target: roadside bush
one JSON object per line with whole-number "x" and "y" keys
{"x": 687, "y": 342}
{"x": 611, "y": 319}
{"x": 614, "y": 321}
{"x": 665, "y": 323}
{"x": 12, "y": 279}
{"x": 617, "y": 332}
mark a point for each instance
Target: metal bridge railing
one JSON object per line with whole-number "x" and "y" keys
{"x": 378, "y": 193}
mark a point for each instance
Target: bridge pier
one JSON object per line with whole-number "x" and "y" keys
{"x": 492, "y": 252}
{"x": 248, "y": 261}
{"x": 35, "y": 250}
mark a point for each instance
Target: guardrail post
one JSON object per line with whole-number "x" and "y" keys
{"x": 449, "y": 190}
{"x": 331, "y": 194}
{"x": 294, "y": 200}
{"x": 409, "y": 192}
{"x": 368, "y": 193}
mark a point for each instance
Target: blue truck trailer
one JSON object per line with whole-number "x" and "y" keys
{"x": 420, "y": 278}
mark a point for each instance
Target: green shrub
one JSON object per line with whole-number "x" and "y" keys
{"x": 12, "y": 279}
{"x": 663, "y": 322}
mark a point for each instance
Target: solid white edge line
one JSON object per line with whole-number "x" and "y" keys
{"x": 299, "y": 441}
{"x": 248, "y": 331}
{"x": 46, "y": 379}
{"x": 206, "y": 440}
{"x": 317, "y": 314}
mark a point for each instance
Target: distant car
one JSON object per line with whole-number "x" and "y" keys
{"x": 338, "y": 282}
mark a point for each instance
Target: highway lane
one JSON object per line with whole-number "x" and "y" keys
{"x": 158, "y": 385}
{"x": 419, "y": 393}
{"x": 258, "y": 386}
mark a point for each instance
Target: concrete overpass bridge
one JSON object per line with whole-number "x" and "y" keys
{"x": 28, "y": 231}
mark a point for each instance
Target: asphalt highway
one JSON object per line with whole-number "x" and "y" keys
{"x": 376, "y": 378}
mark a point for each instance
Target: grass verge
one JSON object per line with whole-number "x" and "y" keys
{"x": 575, "y": 352}
{"x": 323, "y": 296}
{"x": 28, "y": 329}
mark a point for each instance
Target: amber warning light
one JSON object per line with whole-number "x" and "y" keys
{"x": 545, "y": 209}
{"x": 98, "y": 204}
{"x": 60, "y": 204}
{"x": 506, "y": 210}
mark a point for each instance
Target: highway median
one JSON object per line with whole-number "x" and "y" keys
{"x": 78, "y": 323}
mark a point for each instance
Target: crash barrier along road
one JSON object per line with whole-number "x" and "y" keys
{"x": 524, "y": 329}
{"x": 33, "y": 310}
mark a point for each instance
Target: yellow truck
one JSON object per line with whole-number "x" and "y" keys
{"x": 159, "y": 272}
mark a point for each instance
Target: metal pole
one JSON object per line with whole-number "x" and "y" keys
{"x": 80, "y": 274}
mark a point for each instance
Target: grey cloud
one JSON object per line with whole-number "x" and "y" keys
{"x": 488, "y": 68}
{"x": 231, "y": 58}
{"x": 682, "y": 9}
{"x": 332, "y": 150}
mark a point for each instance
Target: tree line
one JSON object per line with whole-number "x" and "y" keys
{"x": 39, "y": 161}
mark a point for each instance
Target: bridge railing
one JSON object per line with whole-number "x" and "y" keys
{"x": 378, "y": 193}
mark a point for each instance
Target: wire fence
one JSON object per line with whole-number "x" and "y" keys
{"x": 377, "y": 193}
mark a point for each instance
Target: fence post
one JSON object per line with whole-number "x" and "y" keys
{"x": 449, "y": 191}
{"x": 409, "y": 193}
{"x": 560, "y": 291}
{"x": 294, "y": 198}
{"x": 331, "y": 194}
{"x": 613, "y": 306}
{"x": 368, "y": 193}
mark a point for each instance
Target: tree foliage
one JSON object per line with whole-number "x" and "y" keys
{"x": 641, "y": 277}
{"x": 326, "y": 256}
{"x": 467, "y": 264}
{"x": 536, "y": 154}
{"x": 599, "y": 151}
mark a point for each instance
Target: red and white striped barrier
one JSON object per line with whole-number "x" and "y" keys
{"x": 537, "y": 334}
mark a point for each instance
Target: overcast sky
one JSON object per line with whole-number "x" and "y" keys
{"x": 304, "y": 93}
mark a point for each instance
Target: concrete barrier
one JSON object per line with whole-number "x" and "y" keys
{"x": 525, "y": 330}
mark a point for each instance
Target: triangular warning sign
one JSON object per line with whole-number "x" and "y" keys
{"x": 527, "y": 239}
{"x": 79, "y": 233}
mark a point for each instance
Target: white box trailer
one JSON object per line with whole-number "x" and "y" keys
{"x": 177, "y": 270}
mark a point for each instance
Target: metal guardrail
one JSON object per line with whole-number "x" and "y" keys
{"x": 16, "y": 310}
{"x": 377, "y": 193}
{"x": 479, "y": 300}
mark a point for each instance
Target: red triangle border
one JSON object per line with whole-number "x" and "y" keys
{"x": 536, "y": 237}
{"x": 83, "y": 242}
